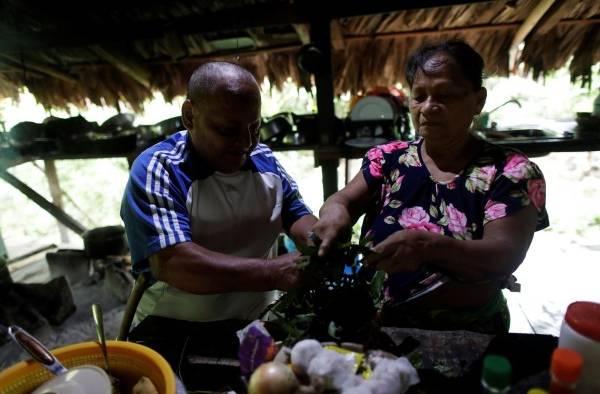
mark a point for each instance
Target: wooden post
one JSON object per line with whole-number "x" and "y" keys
{"x": 56, "y": 194}
{"x": 320, "y": 34}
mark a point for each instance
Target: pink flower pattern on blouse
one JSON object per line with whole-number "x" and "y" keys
{"x": 494, "y": 210}
{"x": 457, "y": 221}
{"x": 517, "y": 167}
{"x": 497, "y": 183}
{"x": 480, "y": 178}
{"x": 414, "y": 215}
{"x": 375, "y": 157}
{"x": 536, "y": 189}
{"x": 392, "y": 146}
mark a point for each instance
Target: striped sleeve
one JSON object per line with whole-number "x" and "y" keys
{"x": 154, "y": 205}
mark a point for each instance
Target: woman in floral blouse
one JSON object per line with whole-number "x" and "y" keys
{"x": 447, "y": 203}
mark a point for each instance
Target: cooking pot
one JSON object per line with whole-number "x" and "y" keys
{"x": 276, "y": 128}
{"x": 117, "y": 124}
{"x": 104, "y": 241}
{"x": 63, "y": 129}
{"x": 170, "y": 126}
{"x": 24, "y": 133}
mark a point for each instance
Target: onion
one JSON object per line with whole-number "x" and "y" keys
{"x": 273, "y": 378}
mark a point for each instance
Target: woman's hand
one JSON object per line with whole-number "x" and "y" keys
{"x": 403, "y": 251}
{"x": 340, "y": 211}
{"x": 335, "y": 221}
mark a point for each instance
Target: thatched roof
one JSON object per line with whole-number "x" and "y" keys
{"x": 111, "y": 52}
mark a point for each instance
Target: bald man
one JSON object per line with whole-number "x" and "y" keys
{"x": 203, "y": 209}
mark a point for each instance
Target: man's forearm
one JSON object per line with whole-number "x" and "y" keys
{"x": 197, "y": 270}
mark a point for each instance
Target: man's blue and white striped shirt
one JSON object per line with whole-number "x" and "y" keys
{"x": 173, "y": 196}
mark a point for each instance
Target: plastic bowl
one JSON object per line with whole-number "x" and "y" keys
{"x": 128, "y": 362}
{"x": 87, "y": 379}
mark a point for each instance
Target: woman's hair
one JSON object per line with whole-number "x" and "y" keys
{"x": 469, "y": 61}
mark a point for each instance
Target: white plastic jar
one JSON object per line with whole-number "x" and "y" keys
{"x": 580, "y": 331}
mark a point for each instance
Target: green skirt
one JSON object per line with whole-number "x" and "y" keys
{"x": 491, "y": 318}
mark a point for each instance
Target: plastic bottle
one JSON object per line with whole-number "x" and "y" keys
{"x": 565, "y": 371}
{"x": 580, "y": 331}
{"x": 495, "y": 377}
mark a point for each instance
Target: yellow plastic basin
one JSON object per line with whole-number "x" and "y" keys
{"x": 128, "y": 362}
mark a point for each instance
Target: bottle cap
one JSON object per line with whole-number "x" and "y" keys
{"x": 496, "y": 371}
{"x": 584, "y": 317}
{"x": 566, "y": 365}
{"x": 536, "y": 390}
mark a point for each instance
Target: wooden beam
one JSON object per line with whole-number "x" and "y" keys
{"x": 47, "y": 69}
{"x": 527, "y": 27}
{"x": 431, "y": 32}
{"x": 303, "y": 31}
{"x": 337, "y": 35}
{"x": 80, "y": 32}
{"x": 553, "y": 16}
{"x": 17, "y": 68}
{"x": 259, "y": 36}
{"x": 244, "y": 53}
{"x": 56, "y": 194}
{"x": 46, "y": 205}
{"x": 359, "y": 37}
{"x": 125, "y": 63}
{"x": 292, "y": 46}
{"x": 467, "y": 29}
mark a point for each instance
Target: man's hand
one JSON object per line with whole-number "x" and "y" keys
{"x": 335, "y": 221}
{"x": 403, "y": 251}
{"x": 284, "y": 271}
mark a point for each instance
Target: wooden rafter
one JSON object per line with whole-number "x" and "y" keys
{"x": 337, "y": 35}
{"x": 42, "y": 68}
{"x": 79, "y": 32}
{"x": 258, "y": 35}
{"x": 467, "y": 29}
{"x": 557, "y": 11}
{"x": 18, "y": 68}
{"x": 125, "y": 63}
{"x": 527, "y": 27}
{"x": 354, "y": 38}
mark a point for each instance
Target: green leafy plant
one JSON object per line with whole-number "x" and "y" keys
{"x": 336, "y": 299}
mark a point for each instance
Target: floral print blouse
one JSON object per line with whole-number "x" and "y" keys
{"x": 498, "y": 182}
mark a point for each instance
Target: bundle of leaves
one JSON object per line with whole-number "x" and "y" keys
{"x": 336, "y": 300}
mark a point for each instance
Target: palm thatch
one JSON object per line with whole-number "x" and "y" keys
{"x": 168, "y": 40}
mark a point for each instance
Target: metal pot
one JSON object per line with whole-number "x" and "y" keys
{"x": 117, "y": 124}
{"x": 276, "y": 128}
